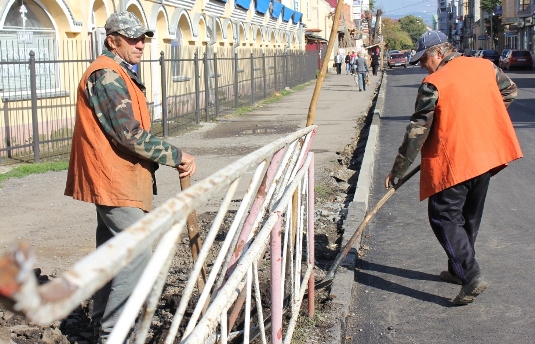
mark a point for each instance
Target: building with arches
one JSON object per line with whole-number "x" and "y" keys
{"x": 225, "y": 23}
{"x": 45, "y": 46}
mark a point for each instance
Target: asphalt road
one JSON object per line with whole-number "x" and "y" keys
{"x": 397, "y": 295}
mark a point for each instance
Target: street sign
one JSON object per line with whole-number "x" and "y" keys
{"x": 482, "y": 38}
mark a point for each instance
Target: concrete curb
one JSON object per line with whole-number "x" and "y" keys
{"x": 342, "y": 284}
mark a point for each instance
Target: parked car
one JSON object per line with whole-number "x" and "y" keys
{"x": 518, "y": 59}
{"x": 397, "y": 60}
{"x": 492, "y": 55}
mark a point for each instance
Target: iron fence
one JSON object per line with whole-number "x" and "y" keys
{"x": 185, "y": 85}
{"x": 269, "y": 246}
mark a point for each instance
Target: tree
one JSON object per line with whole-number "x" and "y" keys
{"x": 414, "y": 26}
{"x": 394, "y": 36}
{"x": 489, "y": 6}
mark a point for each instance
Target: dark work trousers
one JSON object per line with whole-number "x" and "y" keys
{"x": 455, "y": 215}
{"x": 374, "y": 69}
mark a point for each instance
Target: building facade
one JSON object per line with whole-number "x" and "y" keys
{"x": 525, "y": 25}
{"x": 206, "y": 47}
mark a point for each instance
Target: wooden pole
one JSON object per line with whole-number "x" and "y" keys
{"x": 323, "y": 71}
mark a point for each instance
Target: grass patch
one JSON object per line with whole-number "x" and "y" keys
{"x": 243, "y": 110}
{"x": 322, "y": 191}
{"x": 26, "y": 170}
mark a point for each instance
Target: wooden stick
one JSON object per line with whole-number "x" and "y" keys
{"x": 195, "y": 243}
{"x": 321, "y": 75}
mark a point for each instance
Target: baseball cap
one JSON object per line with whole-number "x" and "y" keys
{"x": 126, "y": 24}
{"x": 426, "y": 41}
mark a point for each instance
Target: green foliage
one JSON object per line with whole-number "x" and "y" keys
{"x": 490, "y": 5}
{"x": 394, "y": 36}
{"x": 372, "y": 5}
{"x": 413, "y": 26}
{"x": 26, "y": 170}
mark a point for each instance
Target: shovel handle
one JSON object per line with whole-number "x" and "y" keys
{"x": 369, "y": 215}
{"x": 193, "y": 234}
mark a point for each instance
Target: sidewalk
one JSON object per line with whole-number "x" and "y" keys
{"x": 215, "y": 145}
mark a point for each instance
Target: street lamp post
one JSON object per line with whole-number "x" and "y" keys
{"x": 491, "y": 34}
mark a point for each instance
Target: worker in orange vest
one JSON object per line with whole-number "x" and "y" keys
{"x": 464, "y": 140}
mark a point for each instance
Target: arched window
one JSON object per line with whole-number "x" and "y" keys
{"x": 176, "y": 53}
{"x": 27, "y": 28}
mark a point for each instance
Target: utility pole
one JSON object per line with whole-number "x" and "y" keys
{"x": 377, "y": 31}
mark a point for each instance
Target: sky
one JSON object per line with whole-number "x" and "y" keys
{"x": 400, "y": 8}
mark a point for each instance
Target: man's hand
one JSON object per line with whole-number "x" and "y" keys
{"x": 187, "y": 166}
{"x": 390, "y": 181}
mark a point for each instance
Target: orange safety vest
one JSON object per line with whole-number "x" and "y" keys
{"x": 472, "y": 132}
{"x": 98, "y": 172}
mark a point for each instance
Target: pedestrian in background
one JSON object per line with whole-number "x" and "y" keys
{"x": 338, "y": 62}
{"x": 353, "y": 58}
{"x": 114, "y": 156}
{"x": 362, "y": 69}
{"x": 348, "y": 64}
{"x": 375, "y": 63}
{"x": 464, "y": 138}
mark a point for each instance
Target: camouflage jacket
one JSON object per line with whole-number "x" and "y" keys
{"x": 422, "y": 119}
{"x": 108, "y": 96}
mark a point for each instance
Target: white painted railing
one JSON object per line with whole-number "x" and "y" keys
{"x": 277, "y": 208}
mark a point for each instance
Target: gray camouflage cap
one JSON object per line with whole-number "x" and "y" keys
{"x": 126, "y": 24}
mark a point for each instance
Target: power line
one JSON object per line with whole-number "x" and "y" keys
{"x": 416, "y": 3}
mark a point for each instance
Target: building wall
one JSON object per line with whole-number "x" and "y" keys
{"x": 74, "y": 30}
{"x": 70, "y": 34}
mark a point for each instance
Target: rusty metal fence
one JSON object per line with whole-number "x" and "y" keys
{"x": 185, "y": 85}
{"x": 268, "y": 246}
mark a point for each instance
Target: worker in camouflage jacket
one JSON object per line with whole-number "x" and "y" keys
{"x": 464, "y": 139}
{"x": 114, "y": 155}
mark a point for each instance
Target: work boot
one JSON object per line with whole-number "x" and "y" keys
{"x": 470, "y": 291}
{"x": 446, "y": 276}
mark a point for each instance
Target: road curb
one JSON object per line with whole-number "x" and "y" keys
{"x": 343, "y": 281}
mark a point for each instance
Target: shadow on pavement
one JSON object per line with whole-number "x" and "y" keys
{"x": 380, "y": 283}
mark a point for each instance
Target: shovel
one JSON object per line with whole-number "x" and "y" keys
{"x": 328, "y": 279}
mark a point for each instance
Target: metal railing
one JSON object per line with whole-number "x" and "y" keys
{"x": 185, "y": 85}
{"x": 277, "y": 205}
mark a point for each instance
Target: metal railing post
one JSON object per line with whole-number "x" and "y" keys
{"x": 252, "y": 79}
{"x": 236, "y": 80}
{"x": 264, "y": 74}
{"x": 216, "y": 86}
{"x": 275, "y": 70}
{"x": 285, "y": 70}
{"x": 276, "y": 277}
{"x": 7, "y": 127}
{"x": 206, "y": 87}
{"x": 165, "y": 125}
{"x": 310, "y": 239}
{"x": 35, "y": 119}
{"x": 197, "y": 88}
